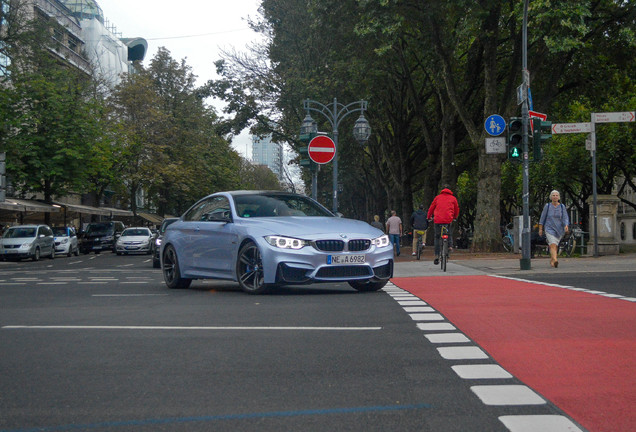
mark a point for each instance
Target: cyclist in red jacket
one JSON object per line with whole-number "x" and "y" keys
{"x": 443, "y": 210}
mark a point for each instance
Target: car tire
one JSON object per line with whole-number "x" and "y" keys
{"x": 249, "y": 270}
{"x": 70, "y": 251}
{"x": 368, "y": 285}
{"x": 171, "y": 270}
{"x": 118, "y": 253}
{"x": 156, "y": 263}
{"x": 36, "y": 254}
{"x": 52, "y": 256}
{"x": 77, "y": 251}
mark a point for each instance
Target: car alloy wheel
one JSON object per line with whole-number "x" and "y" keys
{"x": 249, "y": 270}
{"x": 36, "y": 254}
{"x": 171, "y": 271}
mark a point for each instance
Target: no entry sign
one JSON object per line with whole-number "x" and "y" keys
{"x": 321, "y": 149}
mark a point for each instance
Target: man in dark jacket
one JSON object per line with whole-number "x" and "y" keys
{"x": 419, "y": 223}
{"x": 443, "y": 210}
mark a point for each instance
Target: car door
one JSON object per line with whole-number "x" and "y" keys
{"x": 212, "y": 238}
{"x": 46, "y": 240}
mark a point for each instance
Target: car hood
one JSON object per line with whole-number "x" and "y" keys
{"x": 134, "y": 238}
{"x": 16, "y": 241}
{"x": 313, "y": 228}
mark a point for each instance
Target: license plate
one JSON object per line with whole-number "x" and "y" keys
{"x": 10, "y": 251}
{"x": 346, "y": 259}
{"x": 97, "y": 247}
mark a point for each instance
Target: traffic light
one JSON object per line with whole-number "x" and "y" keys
{"x": 515, "y": 139}
{"x": 304, "y": 157}
{"x": 542, "y": 131}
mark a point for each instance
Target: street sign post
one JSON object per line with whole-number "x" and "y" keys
{"x": 563, "y": 128}
{"x": 495, "y": 125}
{"x": 321, "y": 149}
{"x": 496, "y": 145}
{"x": 614, "y": 117}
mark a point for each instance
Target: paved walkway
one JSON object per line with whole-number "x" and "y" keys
{"x": 466, "y": 263}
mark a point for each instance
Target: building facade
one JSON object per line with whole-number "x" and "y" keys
{"x": 266, "y": 152}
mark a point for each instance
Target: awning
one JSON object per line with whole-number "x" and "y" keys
{"x": 77, "y": 208}
{"x": 25, "y": 205}
{"x": 153, "y": 218}
{"x": 117, "y": 212}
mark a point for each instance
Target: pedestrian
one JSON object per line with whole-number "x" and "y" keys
{"x": 394, "y": 230}
{"x": 443, "y": 210}
{"x": 419, "y": 223}
{"x": 556, "y": 222}
{"x": 376, "y": 223}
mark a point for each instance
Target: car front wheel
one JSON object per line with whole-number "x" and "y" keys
{"x": 171, "y": 271}
{"x": 36, "y": 255}
{"x": 249, "y": 270}
{"x": 368, "y": 285}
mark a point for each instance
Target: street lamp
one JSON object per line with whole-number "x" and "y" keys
{"x": 334, "y": 114}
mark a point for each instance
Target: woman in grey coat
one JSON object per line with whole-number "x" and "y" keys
{"x": 556, "y": 222}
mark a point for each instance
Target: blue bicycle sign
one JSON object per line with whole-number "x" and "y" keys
{"x": 495, "y": 125}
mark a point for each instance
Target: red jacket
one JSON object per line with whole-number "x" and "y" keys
{"x": 444, "y": 208}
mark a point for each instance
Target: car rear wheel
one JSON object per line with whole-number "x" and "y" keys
{"x": 249, "y": 270}
{"x": 368, "y": 285}
{"x": 171, "y": 271}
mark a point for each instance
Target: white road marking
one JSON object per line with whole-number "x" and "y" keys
{"x": 533, "y": 423}
{"x": 481, "y": 371}
{"x": 507, "y": 395}
{"x": 447, "y": 338}
{"x": 462, "y": 353}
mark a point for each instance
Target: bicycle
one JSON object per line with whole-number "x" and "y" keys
{"x": 444, "y": 255}
{"x": 508, "y": 240}
{"x": 420, "y": 242}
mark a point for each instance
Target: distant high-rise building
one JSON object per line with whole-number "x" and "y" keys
{"x": 266, "y": 152}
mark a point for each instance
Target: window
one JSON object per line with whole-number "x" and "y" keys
{"x": 622, "y": 230}
{"x": 210, "y": 209}
{"x": 634, "y": 231}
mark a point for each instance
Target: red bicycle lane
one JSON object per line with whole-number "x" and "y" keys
{"x": 577, "y": 349}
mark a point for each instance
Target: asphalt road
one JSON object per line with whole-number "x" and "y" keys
{"x": 99, "y": 343}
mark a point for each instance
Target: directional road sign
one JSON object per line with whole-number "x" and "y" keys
{"x": 562, "y": 128}
{"x": 614, "y": 117}
{"x": 321, "y": 149}
{"x": 534, "y": 114}
{"x": 495, "y": 125}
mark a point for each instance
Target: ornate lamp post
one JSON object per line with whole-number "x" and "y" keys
{"x": 334, "y": 114}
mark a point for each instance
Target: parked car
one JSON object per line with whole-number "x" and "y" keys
{"x": 66, "y": 241}
{"x": 263, "y": 239}
{"x": 156, "y": 244}
{"x": 134, "y": 240}
{"x": 101, "y": 236}
{"x": 27, "y": 241}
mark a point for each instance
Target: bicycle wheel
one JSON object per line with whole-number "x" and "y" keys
{"x": 419, "y": 250}
{"x": 444, "y": 255}
{"x": 507, "y": 243}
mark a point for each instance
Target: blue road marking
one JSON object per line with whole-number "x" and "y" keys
{"x": 272, "y": 414}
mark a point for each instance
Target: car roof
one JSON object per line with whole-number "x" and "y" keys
{"x": 26, "y": 226}
{"x": 261, "y": 192}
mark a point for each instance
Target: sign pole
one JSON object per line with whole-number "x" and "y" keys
{"x": 594, "y": 193}
{"x": 524, "y": 263}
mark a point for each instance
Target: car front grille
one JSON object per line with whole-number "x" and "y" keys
{"x": 343, "y": 271}
{"x": 359, "y": 245}
{"x": 12, "y": 246}
{"x": 330, "y": 245}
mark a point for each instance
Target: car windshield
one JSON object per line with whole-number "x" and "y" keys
{"x": 59, "y": 231}
{"x": 99, "y": 228}
{"x": 275, "y": 205}
{"x": 20, "y": 233}
{"x": 135, "y": 232}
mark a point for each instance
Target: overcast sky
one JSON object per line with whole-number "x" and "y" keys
{"x": 196, "y": 30}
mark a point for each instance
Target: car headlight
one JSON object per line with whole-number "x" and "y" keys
{"x": 64, "y": 241}
{"x": 285, "y": 242}
{"x": 108, "y": 238}
{"x": 381, "y": 241}
{"x": 26, "y": 245}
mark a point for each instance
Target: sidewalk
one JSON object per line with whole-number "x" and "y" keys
{"x": 464, "y": 262}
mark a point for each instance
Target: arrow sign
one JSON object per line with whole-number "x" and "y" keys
{"x": 614, "y": 117}
{"x": 562, "y": 128}
{"x": 321, "y": 149}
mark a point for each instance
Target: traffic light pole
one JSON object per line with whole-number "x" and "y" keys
{"x": 525, "y": 233}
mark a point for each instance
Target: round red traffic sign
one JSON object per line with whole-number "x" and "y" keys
{"x": 321, "y": 149}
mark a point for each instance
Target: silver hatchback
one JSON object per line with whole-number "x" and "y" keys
{"x": 27, "y": 241}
